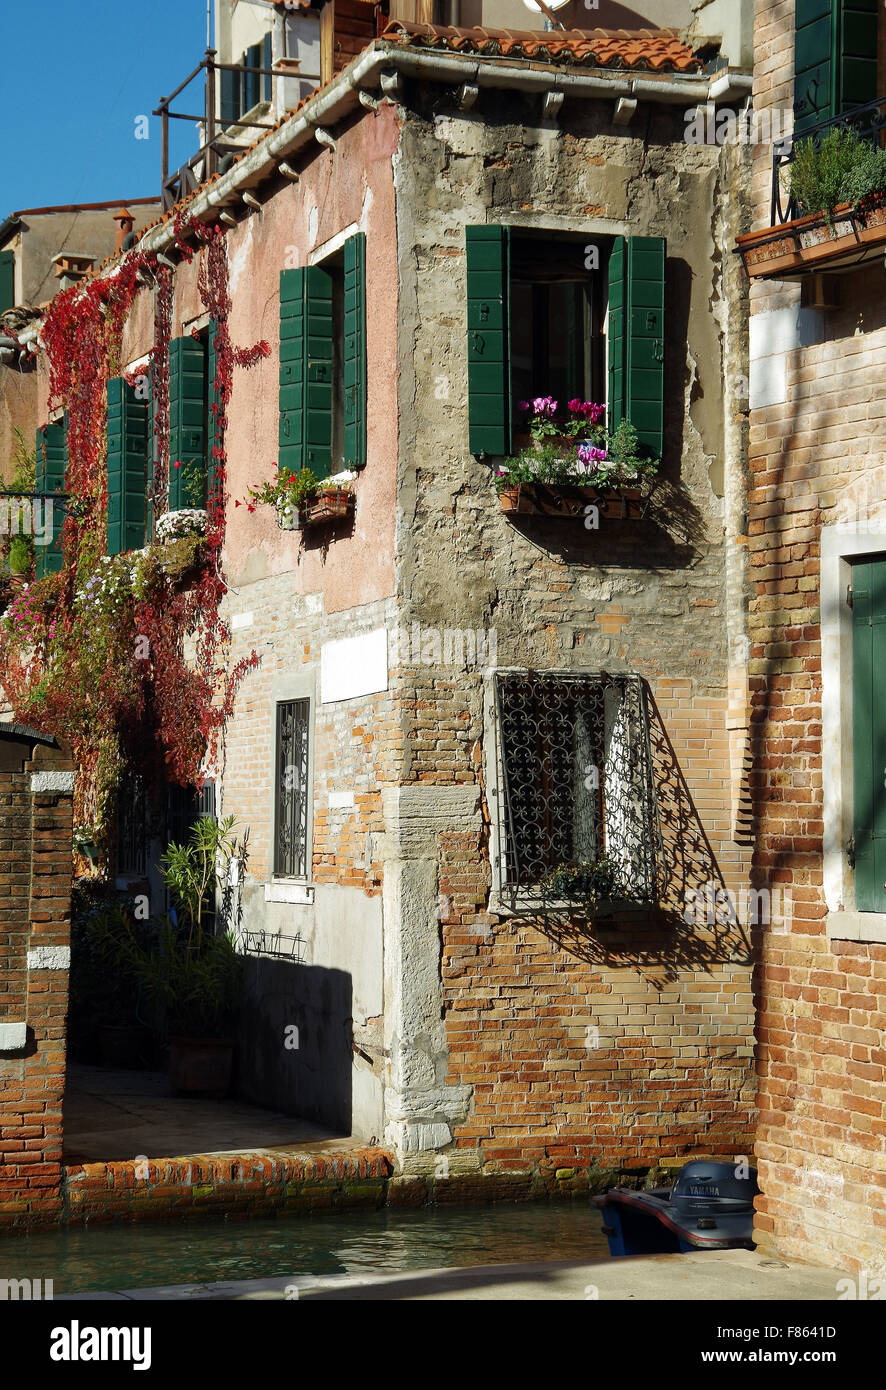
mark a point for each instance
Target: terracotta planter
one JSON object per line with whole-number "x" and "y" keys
{"x": 806, "y": 243}
{"x": 200, "y": 1065}
{"x": 332, "y": 504}
{"x": 572, "y": 502}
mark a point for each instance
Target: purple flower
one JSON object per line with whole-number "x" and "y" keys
{"x": 588, "y": 454}
{"x": 544, "y": 406}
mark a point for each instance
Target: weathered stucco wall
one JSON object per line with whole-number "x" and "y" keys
{"x": 515, "y": 1080}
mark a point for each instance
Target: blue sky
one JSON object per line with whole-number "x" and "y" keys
{"x": 77, "y": 76}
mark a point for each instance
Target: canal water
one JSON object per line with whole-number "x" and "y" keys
{"x": 104, "y": 1258}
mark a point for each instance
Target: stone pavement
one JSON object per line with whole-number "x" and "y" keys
{"x": 709, "y": 1276}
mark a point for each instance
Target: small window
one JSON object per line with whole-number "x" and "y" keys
{"x": 131, "y": 827}
{"x": 576, "y": 781}
{"x": 557, "y": 307}
{"x": 291, "y": 818}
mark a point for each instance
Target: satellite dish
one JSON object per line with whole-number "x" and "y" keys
{"x": 551, "y": 4}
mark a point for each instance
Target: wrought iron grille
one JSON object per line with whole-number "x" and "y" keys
{"x": 868, "y": 122}
{"x": 291, "y": 833}
{"x": 576, "y": 782}
{"x": 131, "y": 827}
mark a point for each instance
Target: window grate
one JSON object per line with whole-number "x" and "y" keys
{"x": 131, "y": 827}
{"x": 576, "y": 783}
{"x": 291, "y": 819}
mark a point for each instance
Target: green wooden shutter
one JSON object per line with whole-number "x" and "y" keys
{"x": 266, "y": 60}
{"x": 488, "y": 273}
{"x": 52, "y": 463}
{"x": 636, "y": 338}
{"x": 7, "y": 280}
{"x": 305, "y": 369}
{"x": 857, "y": 74}
{"x": 213, "y": 407}
{"x": 355, "y": 349}
{"x": 615, "y": 341}
{"x": 252, "y": 80}
{"x": 835, "y": 58}
{"x": 869, "y": 733}
{"x": 187, "y": 423}
{"x": 814, "y": 76}
{"x": 127, "y": 433}
{"x": 230, "y": 90}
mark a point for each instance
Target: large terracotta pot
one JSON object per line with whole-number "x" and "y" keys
{"x": 200, "y": 1065}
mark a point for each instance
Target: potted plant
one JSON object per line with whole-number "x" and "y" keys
{"x": 560, "y": 475}
{"x": 288, "y": 494}
{"x": 597, "y": 886}
{"x": 332, "y": 499}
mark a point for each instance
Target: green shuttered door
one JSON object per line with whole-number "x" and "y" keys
{"x": 187, "y": 423}
{"x": 637, "y": 337}
{"x": 52, "y": 463}
{"x": 489, "y": 375}
{"x": 306, "y": 369}
{"x": 355, "y": 349}
{"x": 213, "y": 439}
{"x": 127, "y": 467}
{"x": 869, "y": 733}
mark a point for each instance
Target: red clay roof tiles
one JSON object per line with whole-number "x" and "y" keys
{"x": 654, "y": 50}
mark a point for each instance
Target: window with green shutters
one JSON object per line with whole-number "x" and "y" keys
{"x": 535, "y": 326}
{"x": 52, "y": 464}
{"x": 127, "y": 462}
{"x": 7, "y": 280}
{"x": 187, "y": 422}
{"x": 835, "y": 58}
{"x": 869, "y": 733}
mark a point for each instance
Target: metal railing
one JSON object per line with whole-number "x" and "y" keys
{"x": 868, "y": 121}
{"x": 188, "y": 177}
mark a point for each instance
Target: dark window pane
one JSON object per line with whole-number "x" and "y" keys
{"x": 291, "y": 831}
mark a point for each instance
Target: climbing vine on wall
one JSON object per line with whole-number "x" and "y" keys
{"x": 126, "y": 657}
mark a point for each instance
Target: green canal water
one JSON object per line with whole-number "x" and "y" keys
{"x": 104, "y": 1258}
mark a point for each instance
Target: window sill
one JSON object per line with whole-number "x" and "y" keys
{"x": 288, "y": 891}
{"x": 856, "y": 926}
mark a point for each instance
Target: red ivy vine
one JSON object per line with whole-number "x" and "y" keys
{"x": 119, "y": 684}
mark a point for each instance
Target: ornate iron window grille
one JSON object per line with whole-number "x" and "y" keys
{"x": 131, "y": 827}
{"x": 576, "y": 783}
{"x": 291, "y": 814}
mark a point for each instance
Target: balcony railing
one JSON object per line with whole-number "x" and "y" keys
{"x": 868, "y": 121}
{"x": 215, "y": 146}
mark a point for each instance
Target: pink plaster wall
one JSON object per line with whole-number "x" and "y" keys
{"x": 350, "y": 187}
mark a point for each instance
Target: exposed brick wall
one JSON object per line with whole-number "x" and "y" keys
{"x": 822, "y": 1064}
{"x": 35, "y": 895}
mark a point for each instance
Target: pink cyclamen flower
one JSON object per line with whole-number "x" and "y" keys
{"x": 588, "y": 454}
{"x": 545, "y": 406}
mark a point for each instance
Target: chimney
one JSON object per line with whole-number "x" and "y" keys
{"x": 71, "y": 266}
{"x": 125, "y": 220}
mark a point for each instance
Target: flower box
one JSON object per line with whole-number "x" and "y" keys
{"x": 573, "y": 502}
{"x": 807, "y": 243}
{"x": 330, "y": 504}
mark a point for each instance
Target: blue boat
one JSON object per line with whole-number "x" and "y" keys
{"x": 709, "y": 1207}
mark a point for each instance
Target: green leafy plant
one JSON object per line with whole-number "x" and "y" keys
{"x": 841, "y": 168}
{"x": 617, "y": 460}
{"x": 590, "y": 883}
{"x": 288, "y": 490}
{"x": 20, "y": 553}
{"x": 195, "y": 870}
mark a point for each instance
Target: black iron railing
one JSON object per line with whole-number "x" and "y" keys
{"x": 215, "y": 146}
{"x": 869, "y": 123}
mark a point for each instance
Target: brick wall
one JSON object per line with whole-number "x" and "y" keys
{"x": 35, "y": 892}
{"x": 822, "y": 1064}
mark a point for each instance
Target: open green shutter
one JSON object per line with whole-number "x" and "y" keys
{"x": 213, "y": 408}
{"x": 869, "y": 733}
{"x": 815, "y": 34}
{"x": 355, "y": 349}
{"x": 857, "y": 75}
{"x": 615, "y": 339}
{"x": 487, "y": 254}
{"x": 305, "y": 369}
{"x": 127, "y": 433}
{"x": 266, "y": 60}
{"x": 187, "y": 423}
{"x": 52, "y": 464}
{"x": 7, "y": 280}
{"x": 644, "y": 361}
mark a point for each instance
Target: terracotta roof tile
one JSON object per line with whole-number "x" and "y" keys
{"x": 652, "y": 50}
